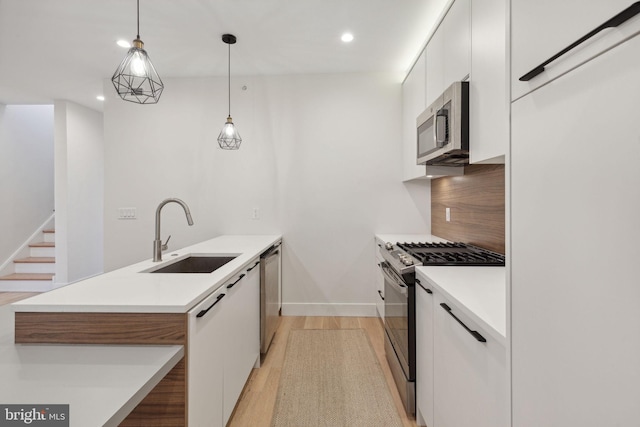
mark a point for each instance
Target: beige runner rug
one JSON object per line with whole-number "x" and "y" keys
{"x": 331, "y": 378}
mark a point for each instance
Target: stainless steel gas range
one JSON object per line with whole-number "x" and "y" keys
{"x": 398, "y": 269}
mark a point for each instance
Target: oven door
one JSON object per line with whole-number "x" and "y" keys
{"x": 396, "y": 316}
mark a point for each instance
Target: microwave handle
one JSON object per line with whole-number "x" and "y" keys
{"x": 440, "y": 127}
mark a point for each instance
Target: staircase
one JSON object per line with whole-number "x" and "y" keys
{"x": 35, "y": 272}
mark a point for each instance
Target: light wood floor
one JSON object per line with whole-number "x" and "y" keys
{"x": 9, "y": 297}
{"x": 255, "y": 407}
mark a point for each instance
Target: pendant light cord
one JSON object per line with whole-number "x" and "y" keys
{"x": 138, "y": 1}
{"x": 229, "y": 81}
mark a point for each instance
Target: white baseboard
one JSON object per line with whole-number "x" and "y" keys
{"x": 327, "y": 309}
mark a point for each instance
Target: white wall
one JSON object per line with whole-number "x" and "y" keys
{"x": 79, "y": 192}
{"x": 320, "y": 159}
{"x": 26, "y": 173}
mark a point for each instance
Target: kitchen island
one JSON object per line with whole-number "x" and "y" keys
{"x": 132, "y": 306}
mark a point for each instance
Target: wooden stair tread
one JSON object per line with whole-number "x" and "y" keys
{"x": 28, "y": 276}
{"x": 33, "y": 260}
{"x": 43, "y": 245}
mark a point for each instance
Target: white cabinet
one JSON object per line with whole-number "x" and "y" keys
{"x": 434, "y": 66}
{"x": 489, "y": 101}
{"x": 242, "y": 334}
{"x": 424, "y": 353}
{"x": 470, "y": 376}
{"x": 413, "y": 103}
{"x": 449, "y": 50}
{"x": 224, "y": 345}
{"x": 542, "y": 28}
{"x": 379, "y": 282}
{"x": 576, "y": 322}
{"x": 206, "y": 358}
{"x": 457, "y": 43}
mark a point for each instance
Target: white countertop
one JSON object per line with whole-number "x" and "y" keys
{"x": 479, "y": 292}
{"x": 131, "y": 290}
{"x": 101, "y": 384}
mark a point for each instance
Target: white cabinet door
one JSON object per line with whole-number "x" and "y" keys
{"x": 242, "y": 334}
{"x": 435, "y": 66}
{"x": 413, "y": 103}
{"x": 379, "y": 282}
{"x": 449, "y": 50}
{"x": 542, "y": 28}
{"x": 424, "y": 353}
{"x": 575, "y": 316}
{"x": 470, "y": 377}
{"x": 457, "y": 42}
{"x": 206, "y": 348}
{"x": 489, "y": 101}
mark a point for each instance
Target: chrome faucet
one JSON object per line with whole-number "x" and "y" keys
{"x": 158, "y": 247}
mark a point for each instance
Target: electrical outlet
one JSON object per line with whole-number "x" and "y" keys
{"x": 255, "y": 213}
{"x": 447, "y": 214}
{"x": 127, "y": 213}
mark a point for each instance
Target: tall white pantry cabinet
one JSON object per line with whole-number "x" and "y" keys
{"x": 575, "y": 219}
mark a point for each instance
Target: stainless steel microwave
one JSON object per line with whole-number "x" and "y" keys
{"x": 443, "y": 129}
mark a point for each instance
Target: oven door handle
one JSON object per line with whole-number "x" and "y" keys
{"x": 393, "y": 280}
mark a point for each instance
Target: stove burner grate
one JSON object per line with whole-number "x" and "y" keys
{"x": 452, "y": 253}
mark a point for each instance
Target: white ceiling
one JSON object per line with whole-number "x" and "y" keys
{"x": 64, "y": 49}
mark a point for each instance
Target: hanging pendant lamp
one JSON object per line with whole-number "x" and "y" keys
{"x": 136, "y": 79}
{"x": 229, "y": 138}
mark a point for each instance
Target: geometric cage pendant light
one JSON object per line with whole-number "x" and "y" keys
{"x": 136, "y": 79}
{"x": 229, "y": 138}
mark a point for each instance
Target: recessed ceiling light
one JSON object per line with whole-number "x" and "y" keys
{"x": 123, "y": 43}
{"x": 347, "y": 37}
{"x": 100, "y": 98}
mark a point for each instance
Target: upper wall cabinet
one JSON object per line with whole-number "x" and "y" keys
{"x": 488, "y": 83}
{"x": 449, "y": 50}
{"x": 413, "y": 103}
{"x": 541, "y": 29}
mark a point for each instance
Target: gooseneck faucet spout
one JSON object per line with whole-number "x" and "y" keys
{"x": 158, "y": 247}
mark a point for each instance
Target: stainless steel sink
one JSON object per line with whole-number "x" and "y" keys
{"x": 195, "y": 264}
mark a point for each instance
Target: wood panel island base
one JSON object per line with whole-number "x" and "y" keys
{"x": 166, "y": 404}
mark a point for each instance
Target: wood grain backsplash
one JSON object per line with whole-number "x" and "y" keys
{"x": 477, "y": 204}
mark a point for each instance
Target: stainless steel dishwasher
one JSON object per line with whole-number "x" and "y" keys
{"x": 269, "y": 295}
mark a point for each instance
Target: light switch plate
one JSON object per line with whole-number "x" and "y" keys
{"x": 447, "y": 214}
{"x": 127, "y": 213}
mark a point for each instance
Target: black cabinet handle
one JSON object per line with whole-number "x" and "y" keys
{"x": 475, "y": 334}
{"x": 254, "y": 266}
{"x": 427, "y": 290}
{"x": 620, "y": 18}
{"x": 203, "y": 312}
{"x": 380, "y": 293}
{"x": 231, "y": 285}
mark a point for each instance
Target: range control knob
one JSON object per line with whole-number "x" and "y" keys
{"x": 407, "y": 261}
{"x": 388, "y": 246}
